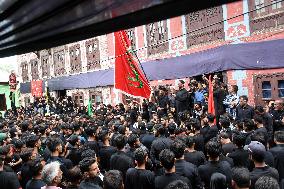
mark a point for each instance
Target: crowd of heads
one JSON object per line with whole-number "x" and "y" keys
{"x": 168, "y": 141}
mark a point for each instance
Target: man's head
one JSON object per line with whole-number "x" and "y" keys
{"x": 233, "y": 89}
{"x": 279, "y": 104}
{"x": 140, "y": 156}
{"x": 178, "y": 148}
{"x": 55, "y": 144}
{"x": 120, "y": 141}
{"x": 240, "y": 178}
{"x": 181, "y": 84}
{"x": 213, "y": 148}
{"x": 257, "y": 151}
{"x": 279, "y": 137}
{"x": 266, "y": 182}
{"x": 51, "y": 174}
{"x": 113, "y": 180}
{"x": 89, "y": 167}
{"x": 210, "y": 118}
{"x": 167, "y": 159}
{"x": 133, "y": 141}
{"x": 243, "y": 100}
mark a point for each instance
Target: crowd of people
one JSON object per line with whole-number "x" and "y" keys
{"x": 169, "y": 141}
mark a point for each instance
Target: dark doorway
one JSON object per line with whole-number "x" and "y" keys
{"x": 61, "y": 93}
{"x": 3, "y": 106}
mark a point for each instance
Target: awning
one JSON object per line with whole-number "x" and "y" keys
{"x": 245, "y": 56}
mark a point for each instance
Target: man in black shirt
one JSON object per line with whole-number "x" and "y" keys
{"x": 243, "y": 110}
{"x": 213, "y": 129}
{"x": 89, "y": 167}
{"x": 182, "y": 98}
{"x": 184, "y": 168}
{"x": 167, "y": 159}
{"x": 148, "y": 138}
{"x": 214, "y": 165}
{"x": 163, "y": 103}
{"x": 198, "y": 136}
{"x": 278, "y": 153}
{"x": 91, "y": 142}
{"x": 191, "y": 155}
{"x": 36, "y": 182}
{"x": 227, "y": 145}
{"x": 239, "y": 155}
{"x": 106, "y": 151}
{"x": 240, "y": 178}
{"x": 139, "y": 177}
{"x": 258, "y": 120}
{"x": 159, "y": 144}
{"x": 113, "y": 180}
{"x": 8, "y": 180}
{"x": 257, "y": 154}
{"x": 120, "y": 160}
{"x": 277, "y": 115}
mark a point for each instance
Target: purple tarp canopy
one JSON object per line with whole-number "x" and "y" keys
{"x": 257, "y": 55}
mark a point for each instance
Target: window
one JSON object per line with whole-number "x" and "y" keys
{"x": 199, "y": 29}
{"x": 59, "y": 62}
{"x": 96, "y": 97}
{"x": 25, "y": 72}
{"x": 281, "y": 88}
{"x": 78, "y": 98}
{"x": 268, "y": 87}
{"x": 34, "y": 69}
{"x": 75, "y": 58}
{"x": 276, "y": 4}
{"x": 259, "y": 6}
{"x": 45, "y": 66}
{"x": 93, "y": 54}
{"x": 157, "y": 36}
{"x": 265, "y": 14}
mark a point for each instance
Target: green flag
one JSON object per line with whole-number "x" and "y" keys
{"x": 90, "y": 111}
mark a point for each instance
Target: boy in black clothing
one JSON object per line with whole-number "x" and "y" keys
{"x": 213, "y": 148}
{"x": 184, "y": 168}
{"x": 167, "y": 159}
{"x": 139, "y": 177}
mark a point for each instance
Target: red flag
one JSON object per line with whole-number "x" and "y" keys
{"x": 211, "y": 108}
{"x": 129, "y": 78}
{"x": 36, "y": 88}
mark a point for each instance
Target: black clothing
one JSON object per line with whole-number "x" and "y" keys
{"x": 105, "y": 154}
{"x": 25, "y": 174}
{"x": 240, "y": 157}
{"x": 35, "y": 184}
{"x": 219, "y": 96}
{"x": 121, "y": 161}
{"x": 268, "y": 124}
{"x": 162, "y": 181}
{"x": 228, "y": 148}
{"x": 204, "y": 130}
{"x": 158, "y": 145}
{"x": 9, "y": 180}
{"x": 212, "y": 132}
{"x": 277, "y": 116}
{"x": 147, "y": 140}
{"x": 89, "y": 184}
{"x": 186, "y": 169}
{"x": 206, "y": 171}
{"x": 139, "y": 179}
{"x": 74, "y": 155}
{"x": 92, "y": 145}
{"x": 278, "y": 154}
{"x": 245, "y": 112}
{"x": 163, "y": 102}
{"x": 182, "y": 100}
{"x": 262, "y": 171}
{"x": 199, "y": 142}
{"x": 196, "y": 158}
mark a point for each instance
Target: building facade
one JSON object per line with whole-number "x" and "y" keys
{"x": 235, "y": 23}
